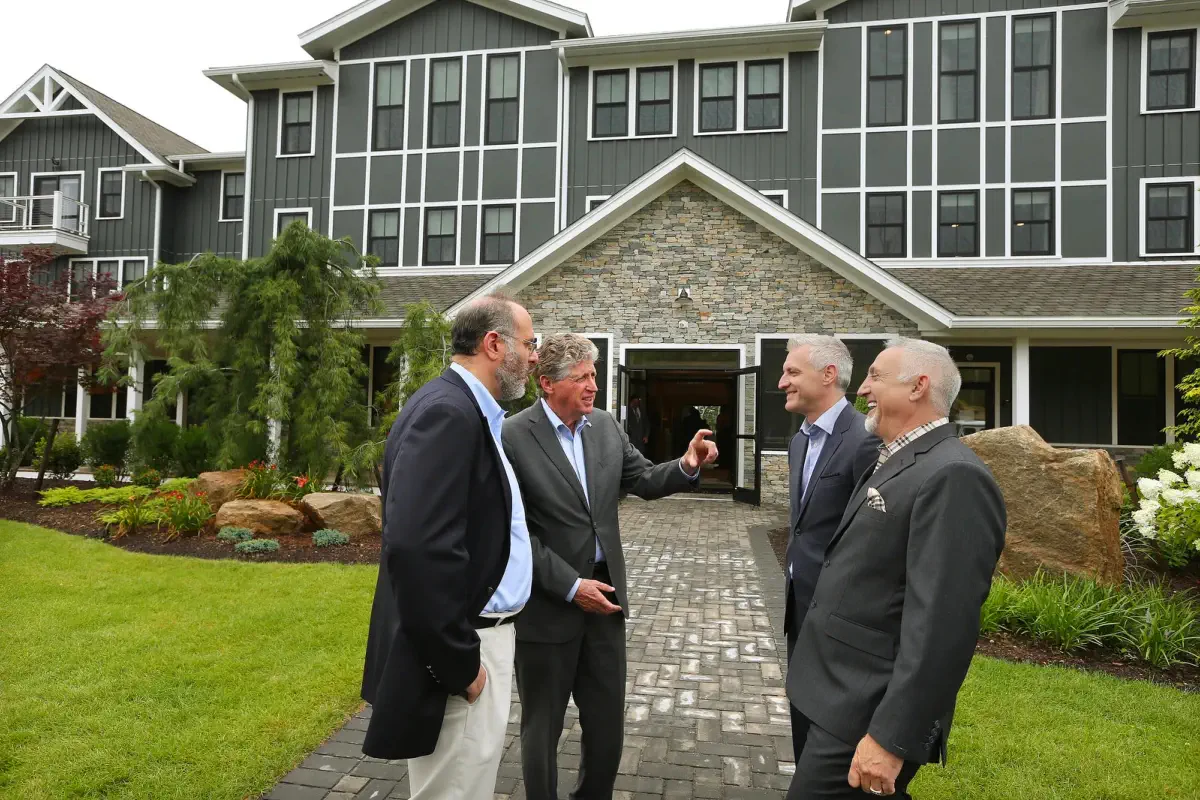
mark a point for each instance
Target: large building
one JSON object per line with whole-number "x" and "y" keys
{"x": 1016, "y": 179}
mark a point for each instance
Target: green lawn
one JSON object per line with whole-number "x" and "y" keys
{"x": 125, "y": 675}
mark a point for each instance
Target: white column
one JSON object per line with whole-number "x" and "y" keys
{"x": 1170, "y": 399}
{"x": 1020, "y": 384}
{"x": 133, "y": 397}
{"x": 83, "y": 406}
{"x": 180, "y": 408}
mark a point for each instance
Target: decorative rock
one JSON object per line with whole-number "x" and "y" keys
{"x": 220, "y": 487}
{"x": 264, "y": 517}
{"x": 352, "y": 514}
{"x": 1064, "y": 506}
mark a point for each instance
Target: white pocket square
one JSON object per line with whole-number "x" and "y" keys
{"x": 875, "y": 499}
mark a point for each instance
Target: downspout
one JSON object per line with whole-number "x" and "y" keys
{"x": 247, "y": 192}
{"x": 157, "y": 215}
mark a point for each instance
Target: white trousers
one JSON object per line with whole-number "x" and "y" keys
{"x": 466, "y": 760}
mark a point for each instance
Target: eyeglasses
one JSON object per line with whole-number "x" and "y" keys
{"x": 530, "y": 343}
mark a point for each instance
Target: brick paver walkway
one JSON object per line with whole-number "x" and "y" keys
{"x": 706, "y": 714}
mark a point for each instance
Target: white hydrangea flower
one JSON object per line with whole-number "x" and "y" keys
{"x": 1149, "y": 488}
{"x": 1168, "y": 478}
{"x": 1191, "y": 454}
{"x": 1196, "y": 544}
{"x": 1192, "y": 477}
{"x": 1180, "y": 459}
{"x": 1172, "y": 497}
{"x": 1144, "y": 519}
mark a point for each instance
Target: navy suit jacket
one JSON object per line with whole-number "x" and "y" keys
{"x": 848, "y": 453}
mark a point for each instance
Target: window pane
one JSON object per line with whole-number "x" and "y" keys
{"x": 133, "y": 271}
{"x": 1160, "y": 52}
{"x": 389, "y": 129}
{"x": 445, "y": 81}
{"x": 389, "y": 85}
{"x": 504, "y": 79}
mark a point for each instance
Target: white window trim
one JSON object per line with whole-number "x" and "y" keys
{"x": 221, "y": 198}
{"x": 94, "y": 263}
{"x": 1145, "y": 68}
{"x": 312, "y": 139}
{"x": 1141, "y": 208}
{"x": 781, "y": 193}
{"x": 100, "y": 185}
{"x": 631, "y": 102}
{"x": 483, "y": 99}
{"x": 610, "y": 390}
{"x": 428, "y": 107}
{"x": 515, "y": 205}
{"x": 399, "y": 209}
{"x": 278, "y": 211}
{"x": 739, "y": 91}
{"x": 11, "y": 213}
{"x": 759, "y": 338}
{"x": 370, "y": 149}
{"x": 587, "y": 201}
{"x": 33, "y": 176}
{"x": 457, "y": 209}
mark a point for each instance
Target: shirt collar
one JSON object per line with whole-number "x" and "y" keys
{"x": 826, "y": 421}
{"x": 556, "y": 422}
{"x": 890, "y": 449}
{"x": 487, "y": 404}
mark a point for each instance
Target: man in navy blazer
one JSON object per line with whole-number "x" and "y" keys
{"x": 456, "y": 565}
{"x": 826, "y": 458}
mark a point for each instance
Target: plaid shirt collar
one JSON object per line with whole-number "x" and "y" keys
{"x": 890, "y": 449}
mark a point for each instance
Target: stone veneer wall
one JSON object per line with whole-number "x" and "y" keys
{"x": 744, "y": 280}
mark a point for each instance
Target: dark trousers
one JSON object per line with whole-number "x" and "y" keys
{"x": 823, "y": 766}
{"x": 592, "y": 668}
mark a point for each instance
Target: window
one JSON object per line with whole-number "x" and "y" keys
{"x": 439, "y": 236}
{"x": 1032, "y": 218}
{"x": 81, "y": 273}
{"x": 1170, "y": 70}
{"x": 959, "y": 72}
{"x": 111, "y": 201}
{"x": 499, "y": 235}
{"x": 233, "y": 196}
{"x": 8, "y": 188}
{"x": 1033, "y": 67}
{"x": 610, "y": 95}
{"x": 885, "y": 76}
{"x": 718, "y": 97}
{"x": 503, "y": 99}
{"x": 285, "y": 217}
{"x": 296, "y": 130}
{"x": 778, "y": 197}
{"x": 445, "y": 84}
{"x": 885, "y": 225}
{"x": 958, "y": 224}
{"x": 595, "y": 202}
{"x": 107, "y": 402}
{"x": 1169, "y": 217}
{"x": 384, "y": 237}
{"x": 110, "y": 273}
{"x": 764, "y": 95}
{"x": 132, "y": 271}
{"x": 389, "y": 107}
{"x": 654, "y": 100}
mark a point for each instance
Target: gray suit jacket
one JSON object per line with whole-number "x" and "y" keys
{"x": 894, "y": 619}
{"x": 848, "y": 453}
{"x": 562, "y": 526}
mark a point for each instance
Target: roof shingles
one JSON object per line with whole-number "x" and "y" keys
{"x": 442, "y": 291}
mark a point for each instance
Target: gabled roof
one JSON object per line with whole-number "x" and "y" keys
{"x": 370, "y": 15}
{"x": 144, "y": 134}
{"x": 685, "y": 165}
{"x": 801, "y": 10}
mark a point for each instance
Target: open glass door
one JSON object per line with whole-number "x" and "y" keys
{"x": 747, "y": 484}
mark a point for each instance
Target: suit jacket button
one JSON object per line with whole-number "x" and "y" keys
{"x": 491, "y": 591}
{"x": 591, "y": 561}
{"x": 827, "y": 563}
{"x": 813, "y": 604}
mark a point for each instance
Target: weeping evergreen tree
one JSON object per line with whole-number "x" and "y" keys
{"x": 1187, "y": 428}
{"x": 285, "y": 348}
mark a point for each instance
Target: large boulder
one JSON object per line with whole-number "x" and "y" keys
{"x": 263, "y": 517}
{"x": 352, "y": 514}
{"x": 220, "y": 487}
{"x": 1064, "y": 506}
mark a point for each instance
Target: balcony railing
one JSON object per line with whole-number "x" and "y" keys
{"x": 53, "y": 220}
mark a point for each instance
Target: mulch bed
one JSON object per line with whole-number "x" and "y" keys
{"x": 1012, "y": 647}
{"x": 20, "y": 505}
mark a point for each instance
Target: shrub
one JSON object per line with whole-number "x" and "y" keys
{"x": 65, "y": 456}
{"x": 235, "y": 535}
{"x": 135, "y": 513}
{"x": 1070, "y": 613}
{"x": 262, "y": 482}
{"x": 108, "y": 445}
{"x": 254, "y": 546}
{"x": 296, "y": 488}
{"x": 148, "y": 477}
{"x": 184, "y": 512}
{"x": 105, "y": 476}
{"x": 860, "y": 403}
{"x": 176, "y": 484}
{"x": 193, "y": 451}
{"x": 31, "y": 429}
{"x": 330, "y": 538}
{"x": 1156, "y": 459}
{"x": 73, "y": 495}
{"x": 154, "y": 439}
{"x": 1163, "y": 629}
{"x": 1168, "y": 514}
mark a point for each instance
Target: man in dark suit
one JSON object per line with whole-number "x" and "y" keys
{"x": 826, "y": 458}
{"x": 894, "y": 619}
{"x": 573, "y": 461}
{"x": 455, "y": 567}
{"x": 636, "y": 425}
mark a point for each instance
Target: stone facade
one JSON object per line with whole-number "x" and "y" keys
{"x": 743, "y": 280}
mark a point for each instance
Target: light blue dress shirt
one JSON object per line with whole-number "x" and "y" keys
{"x": 515, "y": 586}
{"x": 818, "y": 433}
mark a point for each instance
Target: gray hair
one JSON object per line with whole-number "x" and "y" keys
{"x": 560, "y": 352}
{"x": 934, "y": 361}
{"x": 491, "y": 312}
{"x": 825, "y": 351}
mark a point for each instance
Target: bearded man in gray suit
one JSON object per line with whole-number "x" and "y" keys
{"x": 572, "y": 461}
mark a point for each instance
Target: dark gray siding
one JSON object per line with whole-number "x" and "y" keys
{"x": 1144, "y": 145}
{"x": 922, "y": 210}
{"x": 354, "y": 103}
{"x": 301, "y": 182}
{"x": 872, "y": 10}
{"x": 1033, "y": 153}
{"x": 996, "y": 216}
{"x": 537, "y": 225}
{"x": 1085, "y": 77}
{"x": 1084, "y": 229}
{"x": 841, "y": 218}
{"x": 191, "y": 221}
{"x": 84, "y": 143}
{"x": 448, "y": 26}
{"x": 778, "y": 160}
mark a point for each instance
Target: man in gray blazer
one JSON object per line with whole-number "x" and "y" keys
{"x": 572, "y": 461}
{"x": 826, "y": 458}
{"x": 894, "y": 619}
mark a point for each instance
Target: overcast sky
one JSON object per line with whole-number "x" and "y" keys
{"x": 149, "y": 54}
